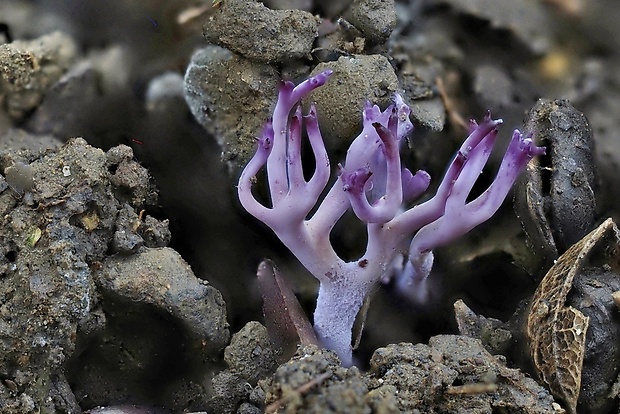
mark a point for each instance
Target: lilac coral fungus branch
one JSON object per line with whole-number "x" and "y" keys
{"x": 354, "y": 183}
{"x": 375, "y": 186}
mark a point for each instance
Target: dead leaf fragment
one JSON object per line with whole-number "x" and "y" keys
{"x": 33, "y": 237}
{"x": 557, "y": 332}
{"x": 616, "y": 297}
{"x": 90, "y": 220}
{"x": 286, "y": 322}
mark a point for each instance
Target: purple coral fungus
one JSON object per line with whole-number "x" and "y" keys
{"x": 373, "y": 183}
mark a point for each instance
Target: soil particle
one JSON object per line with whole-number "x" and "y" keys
{"x": 491, "y": 332}
{"x": 356, "y": 80}
{"x": 250, "y": 356}
{"x": 126, "y": 239}
{"x": 229, "y": 390}
{"x": 342, "y": 391}
{"x": 60, "y": 112}
{"x": 30, "y": 68}
{"x": 231, "y": 97}
{"x": 250, "y": 352}
{"x": 131, "y": 183}
{"x": 374, "y": 18}
{"x": 161, "y": 278}
{"x": 249, "y": 28}
{"x": 155, "y": 233}
{"x": 493, "y": 87}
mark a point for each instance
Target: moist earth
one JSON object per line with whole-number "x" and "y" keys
{"x": 128, "y": 268}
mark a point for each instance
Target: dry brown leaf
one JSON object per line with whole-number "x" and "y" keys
{"x": 286, "y": 322}
{"x": 556, "y": 332}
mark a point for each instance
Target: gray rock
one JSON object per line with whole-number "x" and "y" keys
{"x": 340, "y": 102}
{"x": 251, "y": 353}
{"x": 249, "y": 28}
{"x": 30, "y": 68}
{"x": 231, "y": 97}
{"x": 374, "y": 18}
{"x": 250, "y": 357}
{"x": 161, "y": 278}
{"x": 60, "y": 112}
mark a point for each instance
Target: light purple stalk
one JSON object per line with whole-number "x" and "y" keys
{"x": 374, "y": 185}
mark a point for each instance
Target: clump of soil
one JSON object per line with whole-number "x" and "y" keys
{"x": 79, "y": 249}
{"x": 452, "y": 374}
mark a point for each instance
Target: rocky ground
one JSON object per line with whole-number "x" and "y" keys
{"x": 128, "y": 268}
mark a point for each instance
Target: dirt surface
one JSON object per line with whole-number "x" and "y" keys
{"x": 89, "y": 294}
{"x": 127, "y": 273}
{"x": 452, "y": 374}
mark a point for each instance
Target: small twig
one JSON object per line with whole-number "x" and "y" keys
{"x": 478, "y": 388}
{"x": 193, "y": 13}
{"x": 453, "y": 113}
{"x": 274, "y": 406}
{"x": 361, "y": 322}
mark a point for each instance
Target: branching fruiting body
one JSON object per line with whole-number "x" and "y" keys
{"x": 378, "y": 189}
